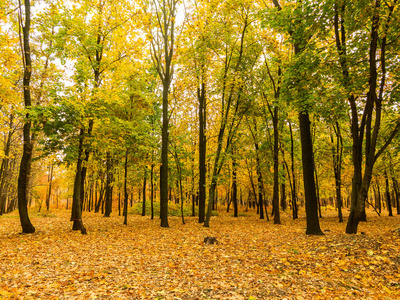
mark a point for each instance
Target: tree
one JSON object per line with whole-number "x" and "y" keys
{"x": 238, "y": 54}
{"x": 162, "y": 40}
{"x": 302, "y": 16}
{"x": 379, "y": 46}
{"x": 26, "y": 160}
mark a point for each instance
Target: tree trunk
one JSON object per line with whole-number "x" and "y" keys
{"x": 396, "y": 194}
{"x": 50, "y": 182}
{"x": 4, "y": 168}
{"x": 144, "y": 192}
{"x": 387, "y": 192}
{"x": 125, "y": 211}
{"x": 317, "y": 192}
{"x": 275, "y": 197}
{"x": 337, "y": 168}
{"x": 294, "y": 187}
{"x": 25, "y": 166}
{"x": 283, "y": 193}
{"x": 313, "y": 227}
{"x": 234, "y": 187}
{"x": 201, "y": 95}
{"x": 109, "y": 180}
{"x": 76, "y": 210}
{"x": 152, "y": 190}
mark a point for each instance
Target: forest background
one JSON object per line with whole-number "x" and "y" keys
{"x": 160, "y": 106}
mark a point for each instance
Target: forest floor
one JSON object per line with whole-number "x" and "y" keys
{"x": 254, "y": 259}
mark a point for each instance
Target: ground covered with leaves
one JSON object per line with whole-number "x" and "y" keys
{"x": 254, "y": 259}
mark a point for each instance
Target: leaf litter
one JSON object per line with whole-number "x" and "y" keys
{"x": 254, "y": 259}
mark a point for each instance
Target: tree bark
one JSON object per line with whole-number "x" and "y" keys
{"x": 76, "y": 210}
{"x": 387, "y": 193}
{"x": 4, "y": 167}
{"x": 25, "y": 166}
{"x": 50, "y": 183}
{"x": 144, "y": 192}
{"x": 109, "y": 180}
{"x": 234, "y": 187}
{"x": 294, "y": 186}
{"x": 337, "y": 168}
{"x": 313, "y": 227}
{"x": 201, "y": 95}
{"x": 152, "y": 190}
{"x": 125, "y": 210}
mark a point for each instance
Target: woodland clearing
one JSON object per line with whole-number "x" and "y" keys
{"x": 254, "y": 259}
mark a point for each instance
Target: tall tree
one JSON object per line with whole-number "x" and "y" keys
{"x": 26, "y": 160}
{"x": 238, "y": 53}
{"x": 300, "y": 37}
{"x": 162, "y": 52}
{"x": 366, "y": 107}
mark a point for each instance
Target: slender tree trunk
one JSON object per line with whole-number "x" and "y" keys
{"x": 387, "y": 192}
{"x": 234, "y": 187}
{"x": 201, "y": 95}
{"x": 25, "y": 166}
{"x": 4, "y": 168}
{"x": 227, "y": 103}
{"x": 283, "y": 192}
{"x": 317, "y": 192}
{"x": 109, "y": 180}
{"x": 50, "y": 182}
{"x": 258, "y": 168}
{"x": 275, "y": 197}
{"x": 152, "y": 190}
{"x": 337, "y": 168}
{"x": 144, "y": 192}
{"x": 294, "y": 187}
{"x": 396, "y": 194}
{"x": 125, "y": 211}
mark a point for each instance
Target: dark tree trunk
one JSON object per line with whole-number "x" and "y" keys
{"x": 201, "y": 95}
{"x": 379, "y": 198}
{"x": 387, "y": 192}
{"x": 307, "y": 158}
{"x": 259, "y": 174}
{"x": 396, "y": 194}
{"x": 367, "y": 130}
{"x": 275, "y": 197}
{"x": 109, "y": 180}
{"x": 144, "y": 192}
{"x": 76, "y": 211}
{"x": 100, "y": 200}
{"x": 4, "y": 168}
{"x": 337, "y": 168}
{"x": 165, "y": 71}
{"x": 294, "y": 186}
{"x": 234, "y": 187}
{"x": 317, "y": 192}
{"x": 125, "y": 211}
{"x": 25, "y": 166}
{"x": 152, "y": 190}
{"x": 308, "y": 176}
{"x": 50, "y": 182}
{"x": 283, "y": 193}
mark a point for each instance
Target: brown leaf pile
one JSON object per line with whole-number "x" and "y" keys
{"x": 254, "y": 259}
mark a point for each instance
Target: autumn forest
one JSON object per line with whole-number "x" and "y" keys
{"x": 269, "y": 126}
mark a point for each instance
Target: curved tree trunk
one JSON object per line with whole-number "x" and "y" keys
{"x": 25, "y": 166}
